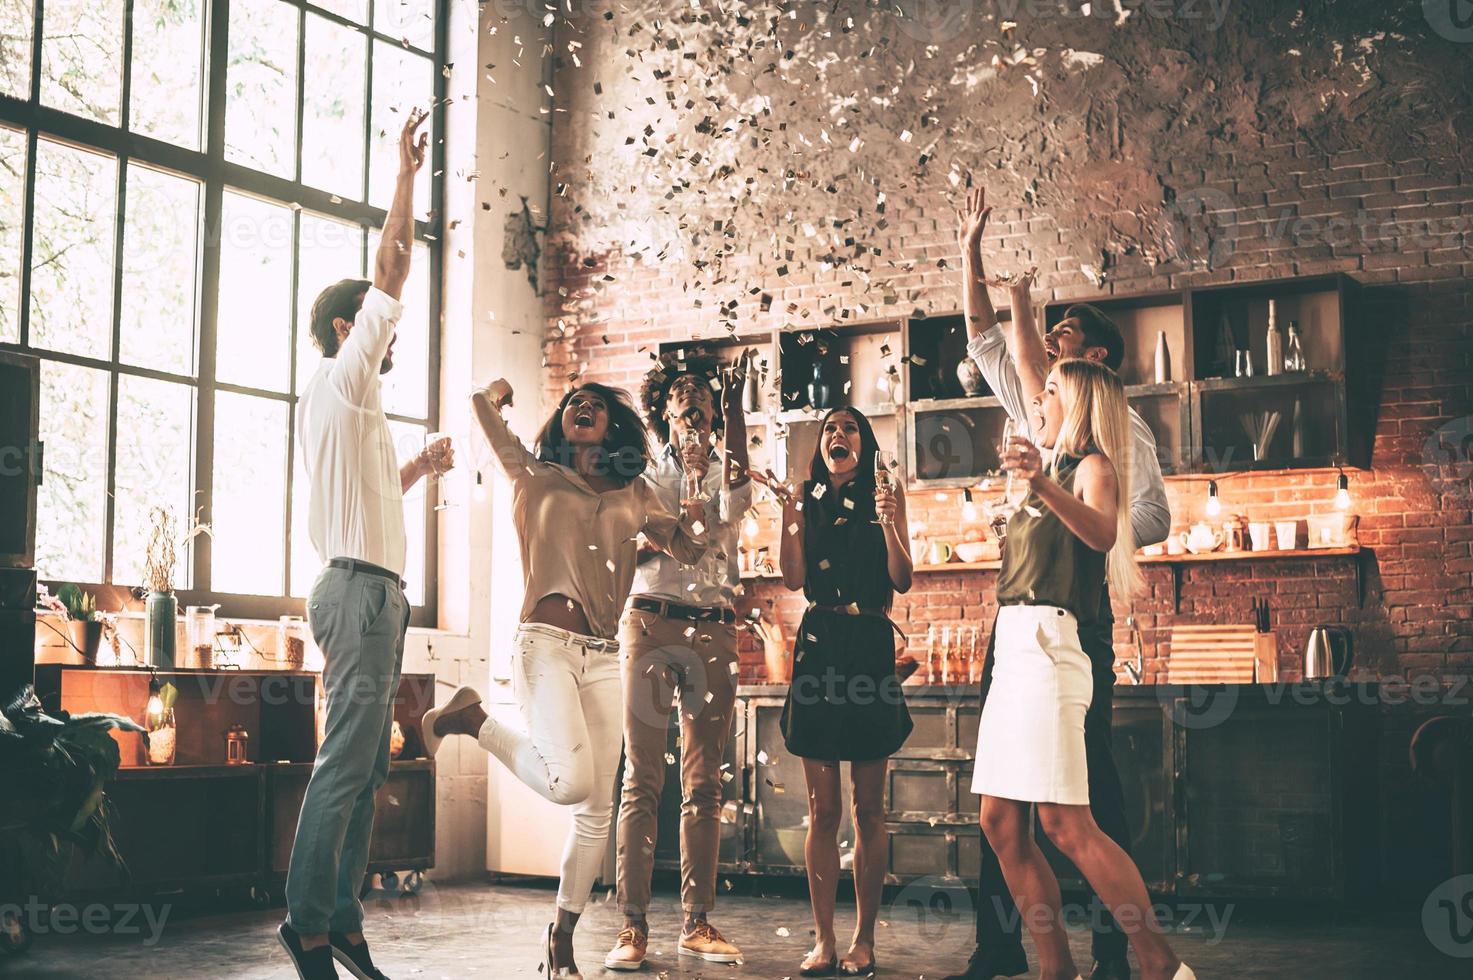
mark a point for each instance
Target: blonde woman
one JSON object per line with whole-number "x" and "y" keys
{"x": 1071, "y": 534}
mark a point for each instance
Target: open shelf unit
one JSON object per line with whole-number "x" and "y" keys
{"x": 203, "y": 823}
{"x": 902, "y": 373}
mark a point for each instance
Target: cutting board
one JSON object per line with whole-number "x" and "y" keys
{"x": 1222, "y": 654}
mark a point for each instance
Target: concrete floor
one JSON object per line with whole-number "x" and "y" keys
{"x": 493, "y": 931}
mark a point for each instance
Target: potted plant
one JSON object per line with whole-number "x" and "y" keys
{"x": 54, "y": 773}
{"x": 162, "y": 605}
{"x": 83, "y": 620}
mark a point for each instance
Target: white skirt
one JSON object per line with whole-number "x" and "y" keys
{"x": 1030, "y": 742}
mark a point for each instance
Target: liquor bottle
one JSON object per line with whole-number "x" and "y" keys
{"x": 818, "y": 388}
{"x": 1163, "y": 359}
{"x": 931, "y": 654}
{"x": 1274, "y": 361}
{"x": 1294, "y": 350}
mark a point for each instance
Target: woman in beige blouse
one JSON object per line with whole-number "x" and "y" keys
{"x": 579, "y": 504}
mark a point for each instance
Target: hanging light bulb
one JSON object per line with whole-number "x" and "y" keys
{"x": 969, "y": 508}
{"x": 1214, "y": 505}
{"x": 750, "y": 527}
{"x": 1342, "y": 492}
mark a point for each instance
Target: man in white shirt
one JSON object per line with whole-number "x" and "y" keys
{"x": 1083, "y": 332}
{"x": 679, "y": 634}
{"x": 357, "y": 609}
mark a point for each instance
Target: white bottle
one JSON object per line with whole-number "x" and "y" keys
{"x": 1163, "y": 359}
{"x": 1275, "y": 358}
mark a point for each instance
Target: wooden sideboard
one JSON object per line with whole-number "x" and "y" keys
{"x": 203, "y": 824}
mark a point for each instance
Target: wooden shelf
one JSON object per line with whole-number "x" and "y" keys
{"x": 1190, "y": 558}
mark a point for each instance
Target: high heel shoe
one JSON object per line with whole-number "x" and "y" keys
{"x": 463, "y": 697}
{"x": 561, "y": 972}
{"x": 849, "y": 970}
{"x": 820, "y": 970}
{"x": 1183, "y": 972}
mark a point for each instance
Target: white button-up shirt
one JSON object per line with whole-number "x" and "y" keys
{"x": 714, "y": 579}
{"x": 356, "y": 508}
{"x": 1150, "y": 514}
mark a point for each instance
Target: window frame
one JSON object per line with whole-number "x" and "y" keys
{"x": 216, "y": 175}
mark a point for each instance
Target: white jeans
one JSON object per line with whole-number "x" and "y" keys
{"x": 569, "y": 690}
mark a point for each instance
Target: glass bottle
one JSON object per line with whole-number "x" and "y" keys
{"x": 1293, "y": 349}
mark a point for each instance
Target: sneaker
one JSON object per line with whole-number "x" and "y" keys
{"x": 704, "y": 941}
{"x": 629, "y": 949}
{"x": 354, "y": 958}
{"x": 311, "y": 964}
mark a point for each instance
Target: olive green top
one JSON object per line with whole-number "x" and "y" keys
{"x": 1046, "y": 564}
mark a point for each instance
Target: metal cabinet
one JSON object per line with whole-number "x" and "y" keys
{"x": 1267, "y": 798}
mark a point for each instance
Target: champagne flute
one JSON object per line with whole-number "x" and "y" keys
{"x": 884, "y": 463}
{"x": 436, "y": 474}
{"x": 693, "y": 493}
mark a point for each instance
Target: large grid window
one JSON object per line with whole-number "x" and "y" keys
{"x": 178, "y": 181}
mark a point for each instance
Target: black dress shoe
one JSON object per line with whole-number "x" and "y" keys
{"x": 311, "y": 964}
{"x": 354, "y": 957}
{"x": 1110, "y": 970}
{"x": 986, "y": 964}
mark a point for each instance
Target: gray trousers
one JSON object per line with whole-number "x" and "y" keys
{"x": 358, "y": 621}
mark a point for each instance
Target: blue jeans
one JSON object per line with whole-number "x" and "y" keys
{"x": 358, "y": 621}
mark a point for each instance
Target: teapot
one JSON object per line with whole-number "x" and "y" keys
{"x": 1201, "y": 538}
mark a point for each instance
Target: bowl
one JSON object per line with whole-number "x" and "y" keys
{"x": 972, "y": 552}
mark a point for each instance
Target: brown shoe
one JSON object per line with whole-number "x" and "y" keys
{"x": 704, "y": 941}
{"x": 629, "y": 949}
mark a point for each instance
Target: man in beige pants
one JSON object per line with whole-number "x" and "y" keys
{"x": 679, "y": 636}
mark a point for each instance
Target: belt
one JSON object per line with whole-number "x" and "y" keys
{"x": 856, "y": 611}
{"x": 693, "y": 614}
{"x": 354, "y": 565}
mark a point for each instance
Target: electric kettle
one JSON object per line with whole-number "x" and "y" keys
{"x": 1328, "y": 653}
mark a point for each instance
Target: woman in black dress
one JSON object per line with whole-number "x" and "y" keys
{"x": 845, "y": 546}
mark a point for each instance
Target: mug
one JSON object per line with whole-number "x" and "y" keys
{"x": 1174, "y": 546}
{"x": 940, "y": 552}
{"x": 1201, "y": 538}
{"x": 1260, "y": 533}
{"x": 1287, "y": 533}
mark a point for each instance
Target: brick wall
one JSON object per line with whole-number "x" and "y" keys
{"x": 703, "y": 158}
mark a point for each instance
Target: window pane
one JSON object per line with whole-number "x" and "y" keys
{"x": 82, "y": 57}
{"x": 154, "y": 469}
{"x": 408, "y": 20}
{"x": 354, "y": 10}
{"x": 327, "y": 251}
{"x": 17, "y": 24}
{"x": 401, "y": 81}
{"x": 12, "y": 229}
{"x": 168, "y": 58}
{"x": 70, "y": 508}
{"x": 261, "y": 89}
{"x": 406, "y": 386}
{"x": 160, "y": 270}
{"x": 250, "y": 495}
{"x": 408, "y": 440}
{"x": 72, "y": 250}
{"x": 332, "y": 121}
{"x": 255, "y": 293}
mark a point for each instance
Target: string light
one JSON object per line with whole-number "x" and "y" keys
{"x": 969, "y": 508}
{"x": 1214, "y": 505}
{"x": 1342, "y": 492}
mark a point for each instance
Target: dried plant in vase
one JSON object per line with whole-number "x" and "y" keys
{"x": 161, "y": 559}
